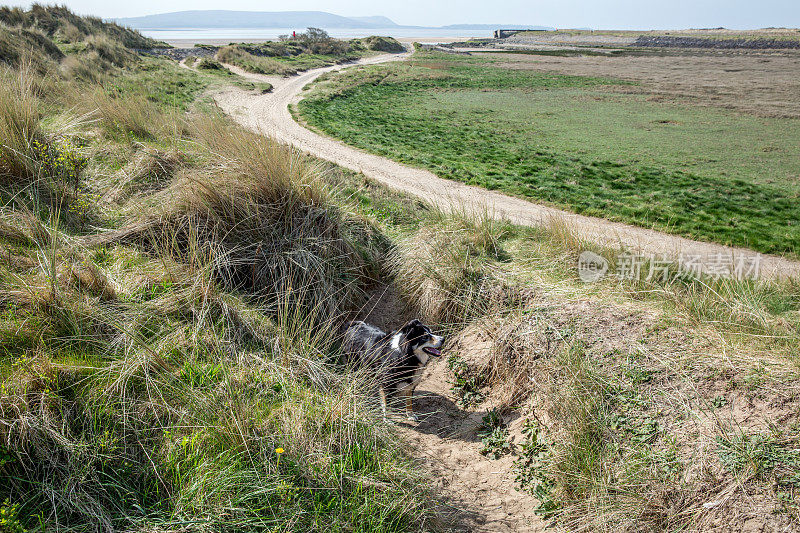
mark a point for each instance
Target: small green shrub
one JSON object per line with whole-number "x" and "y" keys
{"x": 762, "y": 455}
{"x": 207, "y": 63}
{"x": 533, "y": 466}
{"x": 466, "y": 384}
{"x": 494, "y": 436}
{"x": 9, "y": 519}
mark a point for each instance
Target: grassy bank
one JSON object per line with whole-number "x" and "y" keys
{"x": 627, "y": 406}
{"x": 171, "y": 286}
{"x": 567, "y": 141}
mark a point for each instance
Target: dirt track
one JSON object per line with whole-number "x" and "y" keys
{"x": 269, "y": 114}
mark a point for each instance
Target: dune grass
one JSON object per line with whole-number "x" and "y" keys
{"x": 168, "y": 325}
{"x": 61, "y": 25}
{"x": 251, "y": 63}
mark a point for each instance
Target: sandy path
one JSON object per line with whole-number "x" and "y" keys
{"x": 269, "y": 114}
{"x": 482, "y": 491}
{"x": 479, "y": 494}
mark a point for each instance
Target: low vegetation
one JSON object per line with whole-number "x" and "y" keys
{"x": 311, "y": 49}
{"x": 783, "y": 34}
{"x": 207, "y": 63}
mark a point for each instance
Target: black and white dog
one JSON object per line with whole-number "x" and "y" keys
{"x": 397, "y": 358}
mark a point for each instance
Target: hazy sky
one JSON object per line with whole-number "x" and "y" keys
{"x": 600, "y": 14}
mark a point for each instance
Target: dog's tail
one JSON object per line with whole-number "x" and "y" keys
{"x": 347, "y": 335}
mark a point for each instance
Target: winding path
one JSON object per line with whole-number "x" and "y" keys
{"x": 269, "y": 114}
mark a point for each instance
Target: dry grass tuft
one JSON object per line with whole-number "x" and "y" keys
{"x": 264, "y": 218}
{"x": 451, "y": 270}
{"x": 132, "y": 115}
{"x": 20, "y": 128}
{"x": 105, "y": 51}
{"x": 148, "y": 171}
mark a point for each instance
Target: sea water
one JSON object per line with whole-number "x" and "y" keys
{"x": 245, "y": 34}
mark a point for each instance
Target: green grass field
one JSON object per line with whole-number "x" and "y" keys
{"x": 569, "y": 141}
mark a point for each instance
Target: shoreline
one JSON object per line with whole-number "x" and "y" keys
{"x": 189, "y": 43}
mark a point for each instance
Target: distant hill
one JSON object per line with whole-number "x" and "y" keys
{"x": 494, "y": 27}
{"x": 283, "y": 19}
{"x": 252, "y": 19}
{"x": 380, "y": 22}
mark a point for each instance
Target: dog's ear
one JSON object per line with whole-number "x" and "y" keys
{"x": 410, "y": 326}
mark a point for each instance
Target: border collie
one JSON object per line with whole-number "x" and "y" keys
{"x": 397, "y": 358}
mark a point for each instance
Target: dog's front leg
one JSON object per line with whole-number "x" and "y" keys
{"x": 407, "y": 393}
{"x": 410, "y": 414}
{"x": 383, "y": 401}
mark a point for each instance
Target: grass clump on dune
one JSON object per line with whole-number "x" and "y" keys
{"x": 19, "y": 126}
{"x": 449, "y": 267}
{"x": 267, "y": 219}
{"x": 61, "y": 25}
{"x": 19, "y": 45}
{"x": 380, "y": 44}
{"x": 207, "y": 63}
